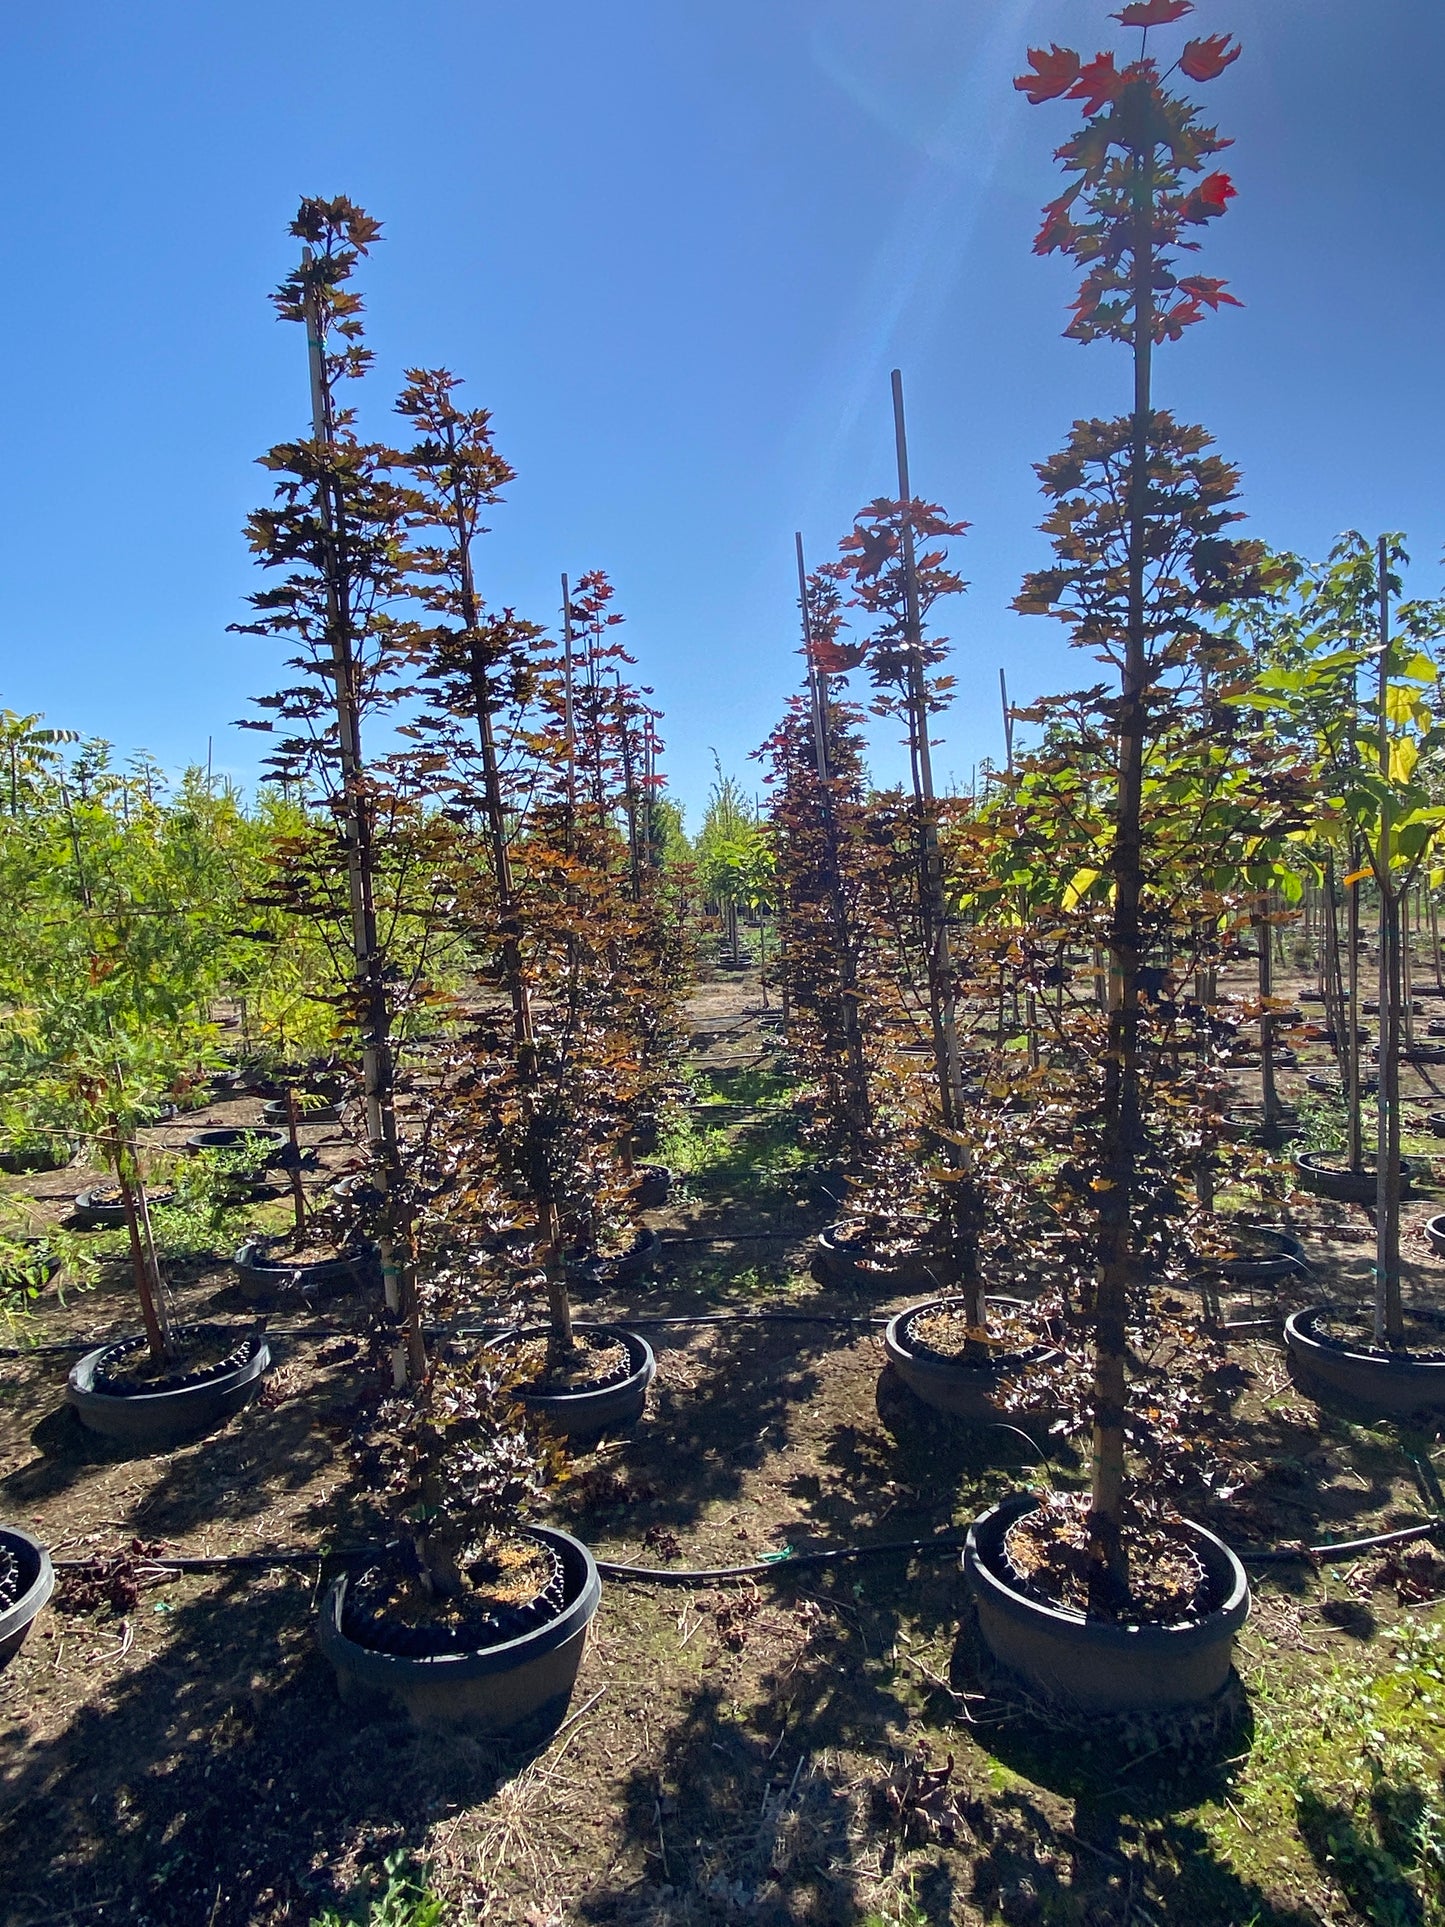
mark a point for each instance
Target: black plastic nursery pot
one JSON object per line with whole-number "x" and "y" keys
{"x": 264, "y": 1275}
{"x": 962, "y": 1388}
{"x": 1254, "y": 1130}
{"x": 653, "y": 1186}
{"x": 1261, "y": 1255}
{"x": 635, "y": 1262}
{"x": 1390, "y": 1384}
{"x": 841, "y": 1260}
{"x": 1332, "y": 1087}
{"x": 1317, "y": 1171}
{"x": 1435, "y": 1235}
{"x": 1101, "y": 1666}
{"x": 37, "y": 1582}
{"x": 154, "y": 1421}
{"x": 38, "y": 1157}
{"x": 492, "y": 1690}
{"x": 600, "y": 1408}
{"x": 274, "y": 1111}
{"x": 235, "y": 1137}
{"x": 102, "y": 1210}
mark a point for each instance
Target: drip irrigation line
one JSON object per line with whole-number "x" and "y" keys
{"x": 935, "y": 1546}
{"x": 930, "y": 1548}
{"x": 693, "y": 1318}
{"x": 322, "y": 1332}
{"x": 736, "y": 1238}
{"x": 239, "y": 1561}
{"x": 1343, "y": 1548}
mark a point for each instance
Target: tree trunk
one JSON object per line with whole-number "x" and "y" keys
{"x": 1264, "y": 944}
{"x": 1353, "y": 1099}
{"x": 1389, "y": 1316}
{"x": 1109, "y": 1569}
{"x": 933, "y": 907}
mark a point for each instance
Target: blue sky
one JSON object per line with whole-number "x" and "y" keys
{"x": 676, "y": 246}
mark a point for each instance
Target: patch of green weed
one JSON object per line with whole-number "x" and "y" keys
{"x": 1351, "y": 1766}
{"x": 405, "y": 1901}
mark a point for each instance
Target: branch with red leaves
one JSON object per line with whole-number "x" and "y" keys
{"x": 1137, "y": 135}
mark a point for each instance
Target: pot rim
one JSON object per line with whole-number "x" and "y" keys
{"x": 1227, "y": 1617}
{"x": 896, "y": 1339}
{"x": 1315, "y": 1161}
{"x": 32, "y": 1601}
{"x": 381, "y": 1669}
{"x": 235, "y": 1132}
{"x": 81, "y": 1387}
{"x": 1298, "y": 1329}
{"x": 254, "y": 1257}
{"x": 644, "y": 1367}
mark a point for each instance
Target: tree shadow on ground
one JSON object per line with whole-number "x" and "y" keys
{"x": 1368, "y": 1865}
{"x": 222, "y": 1782}
{"x": 753, "y": 1812}
{"x": 1105, "y": 1831}
{"x": 234, "y": 1473}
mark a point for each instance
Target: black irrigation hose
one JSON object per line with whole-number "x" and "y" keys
{"x": 785, "y": 1561}
{"x": 729, "y": 1238}
{"x": 229, "y": 1561}
{"x": 697, "y": 1318}
{"x": 1342, "y": 1549}
{"x": 933, "y": 1547}
{"x": 322, "y": 1332}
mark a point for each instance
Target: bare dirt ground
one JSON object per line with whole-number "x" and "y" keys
{"x": 814, "y": 1747}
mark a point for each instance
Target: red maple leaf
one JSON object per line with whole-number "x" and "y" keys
{"x": 1097, "y": 84}
{"x": 1207, "y": 59}
{"x": 1154, "y": 13}
{"x": 1173, "y": 321}
{"x": 1211, "y": 197}
{"x": 836, "y": 658}
{"x": 1058, "y": 229}
{"x": 1055, "y": 71}
{"x": 1203, "y": 287}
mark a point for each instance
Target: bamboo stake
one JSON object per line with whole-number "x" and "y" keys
{"x": 933, "y": 900}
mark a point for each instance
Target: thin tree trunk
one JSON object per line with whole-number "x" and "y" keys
{"x": 1330, "y": 986}
{"x": 509, "y": 915}
{"x": 378, "y": 1070}
{"x": 933, "y": 904}
{"x": 1109, "y": 1569}
{"x": 1264, "y": 940}
{"x": 858, "y": 1107}
{"x": 142, "y": 1255}
{"x": 1389, "y": 1315}
{"x": 1353, "y": 1094}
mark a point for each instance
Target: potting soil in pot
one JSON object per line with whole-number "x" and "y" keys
{"x": 508, "y": 1588}
{"x": 10, "y": 1586}
{"x": 128, "y": 1369}
{"x": 1047, "y": 1555}
{"x": 280, "y": 1253}
{"x": 597, "y": 1360}
{"x": 1354, "y": 1327}
{"x": 943, "y": 1331}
